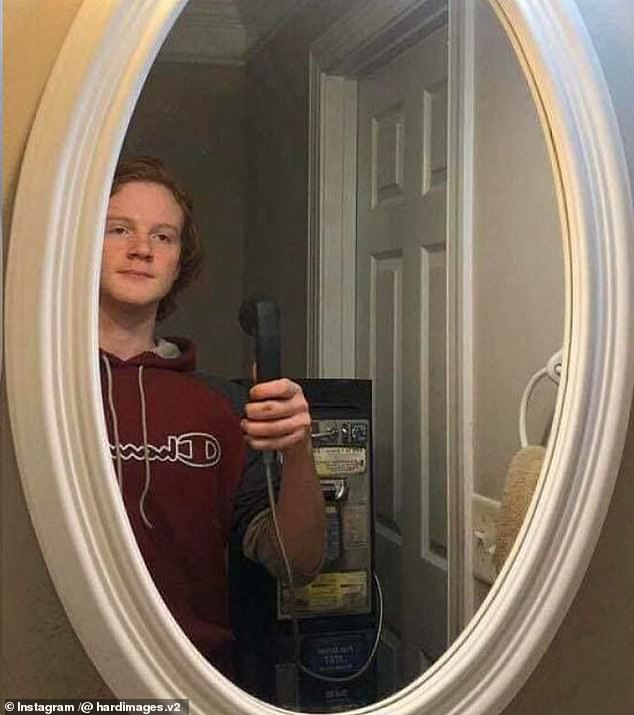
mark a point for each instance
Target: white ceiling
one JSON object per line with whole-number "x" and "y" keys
{"x": 225, "y": 31}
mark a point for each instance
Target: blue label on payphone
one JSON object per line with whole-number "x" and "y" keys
{"x": 335, "y": 654}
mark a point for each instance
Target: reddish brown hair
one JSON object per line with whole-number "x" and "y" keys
{"x": 151, "y": 170}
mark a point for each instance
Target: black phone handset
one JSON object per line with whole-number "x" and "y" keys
{"x": 261, "y": 319}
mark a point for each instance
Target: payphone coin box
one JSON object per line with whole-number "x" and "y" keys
{"x": 341, "y": 436}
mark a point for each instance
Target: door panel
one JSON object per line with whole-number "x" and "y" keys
{"x": 401, "y": 343}
{"x": 385, "y": 360}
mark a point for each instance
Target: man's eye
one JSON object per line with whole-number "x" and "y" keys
{"x": 164, "y": 237}
{"x": 117, "y": 230}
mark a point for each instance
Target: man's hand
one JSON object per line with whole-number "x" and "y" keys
{"x": 277, "y": 417}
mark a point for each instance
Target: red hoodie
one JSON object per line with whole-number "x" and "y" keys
{"x": 179, "y": 455}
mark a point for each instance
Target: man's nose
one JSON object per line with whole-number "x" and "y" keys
{"x": 140, "y": 245}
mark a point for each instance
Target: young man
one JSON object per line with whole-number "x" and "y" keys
{"x": 186, "y": 448}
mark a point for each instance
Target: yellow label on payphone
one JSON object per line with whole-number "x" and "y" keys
{"x": 339, "y": 460}
{"x": 337, "y": 591}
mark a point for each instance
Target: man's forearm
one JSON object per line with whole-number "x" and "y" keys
{"x": 277, "y": 417}
{"x": 301, "y": 517}
{"x": 300, "y": 510}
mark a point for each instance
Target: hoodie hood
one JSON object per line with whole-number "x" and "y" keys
{"x": 170, "y": 354}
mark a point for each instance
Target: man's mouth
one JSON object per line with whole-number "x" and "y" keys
{"x": 136, "y": 274}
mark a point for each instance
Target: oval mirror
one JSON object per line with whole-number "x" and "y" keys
{"x": 502, "y": 333}
{"x": 232, "y": 127}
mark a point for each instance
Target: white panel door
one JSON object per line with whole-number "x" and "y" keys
{"x": 401, "y": 341}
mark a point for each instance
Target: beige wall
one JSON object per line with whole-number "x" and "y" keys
{"x": 519, "y": 276}
{"x": 192, "y": 117}
{"x": 26, "y": 68}
{"x": 586, "y": 671}
{"x": 42, "y": 656}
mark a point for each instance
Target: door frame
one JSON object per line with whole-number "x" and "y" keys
{"x": 367, "y": 37}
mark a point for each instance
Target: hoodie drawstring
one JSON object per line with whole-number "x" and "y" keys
{"x": 115, "y": 428}
{"x": 146, "y": 451}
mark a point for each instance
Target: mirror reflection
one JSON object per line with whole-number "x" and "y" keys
{"x": 395, "y": 414}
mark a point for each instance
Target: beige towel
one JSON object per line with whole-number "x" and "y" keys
{"x": 521, "y": 481}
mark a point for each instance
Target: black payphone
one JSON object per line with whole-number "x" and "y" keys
{"x": 315, "y": 651}
{"x": 339, "y": 611}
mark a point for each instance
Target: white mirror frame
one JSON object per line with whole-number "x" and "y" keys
{"x": 55, "y": 401}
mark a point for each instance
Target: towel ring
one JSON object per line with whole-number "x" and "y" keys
{"x": 552, "y": 371}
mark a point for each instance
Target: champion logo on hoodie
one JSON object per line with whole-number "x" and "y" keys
{"x": 195, "y": 449}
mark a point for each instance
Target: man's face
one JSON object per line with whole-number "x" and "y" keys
{"x": 142, "y": 246}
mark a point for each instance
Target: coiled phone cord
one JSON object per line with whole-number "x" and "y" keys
{"x": 268, "y": 464}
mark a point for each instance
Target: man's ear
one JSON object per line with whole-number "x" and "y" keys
{"x": 179, "y": 267}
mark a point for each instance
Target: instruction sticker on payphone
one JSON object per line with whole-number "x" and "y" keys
{"x": 341, "y": 451}
{"x": 333, "y": 461}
